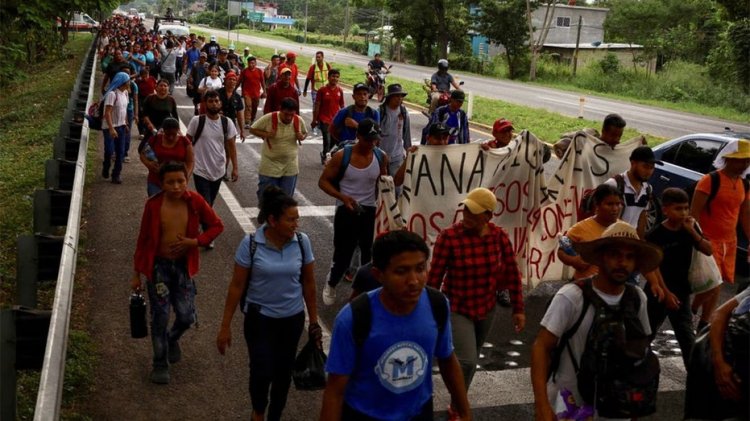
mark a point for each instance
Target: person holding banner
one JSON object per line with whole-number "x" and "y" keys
{"x": 472, "y": 261}
{"x": 607, "y": 202}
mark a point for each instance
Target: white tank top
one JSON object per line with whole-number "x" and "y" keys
{"x": 361, "y": 183}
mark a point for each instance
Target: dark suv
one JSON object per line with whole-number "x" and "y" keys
{"x": 686, "y": 160}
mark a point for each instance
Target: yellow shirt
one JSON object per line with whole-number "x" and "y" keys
{"x": 281, "y": 159}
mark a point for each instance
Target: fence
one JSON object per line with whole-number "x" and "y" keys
{"x": 37, "y": 339}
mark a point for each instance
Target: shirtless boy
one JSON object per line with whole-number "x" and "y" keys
{"x": 167, "y": 255}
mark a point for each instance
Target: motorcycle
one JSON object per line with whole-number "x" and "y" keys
{"x": 444, "y": 99}
{"x": 376, "y": 82}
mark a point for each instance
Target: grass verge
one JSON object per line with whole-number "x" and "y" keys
{"x": 30, "y": 114}
{"x": 693, "y": 107}
{"x": 546, "y": 125}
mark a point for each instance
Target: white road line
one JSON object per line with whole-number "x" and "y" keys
{"x": 304, "y": 211}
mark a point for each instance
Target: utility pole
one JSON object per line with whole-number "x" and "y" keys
{"x": 578, "y": 41}
{"x": 305, "y": 39}
{"x": 346, "y": 23}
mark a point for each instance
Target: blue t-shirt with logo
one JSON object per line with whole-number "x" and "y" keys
{"x": 390, "y": 376}
{"x": 346, "y": 132}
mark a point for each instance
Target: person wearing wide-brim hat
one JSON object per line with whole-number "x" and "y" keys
{"x": 619, "y": 253}
{"x": 620, "y": 234}
{"x": 396, "y": 128}
{"x": 718, "y": 209}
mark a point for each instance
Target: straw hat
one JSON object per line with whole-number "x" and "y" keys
{"x": 621, "y": 234}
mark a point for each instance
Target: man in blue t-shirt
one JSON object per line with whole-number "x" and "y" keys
{"x": 454, "y": 118}
{"x": 344, "y": 125}
{"x": 389, "y": 375}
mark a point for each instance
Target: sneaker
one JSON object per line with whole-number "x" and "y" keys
{"x": 116, "y": 180}
{"x": 126, "y": 159}
{"x": 105, "y": 172}
{"x": 210, "y": 246}
{"x": 349, "y": 274}
{"x": 329, "y": 294}
{"x": 160, "y": 375}
{"x": 175, "y": 353}
{"x": 247, "y": 126}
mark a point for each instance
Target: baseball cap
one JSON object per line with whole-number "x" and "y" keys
{"x": 213, "y": 37}
{"x": 223, "y": 51}
{"x": 291, "y": 55}
{"x": 358, "y": 86}
{"x": 247, "y": 48}
{"x": 480, "y": 200}
{"x": 437, "y": 129}
{"x": 502, "y": 124}
{"x": 204, "y": 55}
{"x": 644, "y": 154}
{"x": 458, "y": 95}
{"x": 285, "y": 70}
{"x": 368, "y": 129}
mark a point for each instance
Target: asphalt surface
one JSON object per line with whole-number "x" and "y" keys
{"x": 653, "y": 120}
{"x": 206, "y": 385}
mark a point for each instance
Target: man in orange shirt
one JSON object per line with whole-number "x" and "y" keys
{"x": 718, "y": 217}
{"x": 252, "y": 81}
{"x": 290, "y": 64}
{"x": 317, "y": 74}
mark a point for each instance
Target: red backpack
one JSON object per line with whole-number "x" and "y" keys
{"x": 275, "y": 121}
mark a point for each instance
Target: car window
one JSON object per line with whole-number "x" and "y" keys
{"x": 697, "y": 155}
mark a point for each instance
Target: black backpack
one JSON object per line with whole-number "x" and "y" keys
{"x": 362, "y": 314}
{"x": 617, "y": 373}
{"x": 202, "y": 124}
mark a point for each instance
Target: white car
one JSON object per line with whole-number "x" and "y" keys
{"x": 176, "y": 30}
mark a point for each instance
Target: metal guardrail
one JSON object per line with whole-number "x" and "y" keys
{"x": 49, "y": 397}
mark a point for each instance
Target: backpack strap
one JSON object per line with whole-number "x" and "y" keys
{"x": 225, "y": 126}
{"x": 439, "y": 309}
{"x": 361, "y": 319}
{"x": 715, "y": 183}
{"x": 275, "y": 121}
{"x": 303, "y": 256}
{"x": 345, "y": 160}
{"x": 199, "y": 129}
{"x": 253, "y": 248}
{"x": 564, "y": 342}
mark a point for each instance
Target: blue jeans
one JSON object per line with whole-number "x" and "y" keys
{"x": 286, "y": 183}
{"x": 180, "y": 294}
{"x": 272, "y": 347}
{"x": 114, "y": 146}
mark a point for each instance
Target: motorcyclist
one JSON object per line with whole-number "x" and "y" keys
{"x": 440, "y": 82}
{"x": 374, "y": 67}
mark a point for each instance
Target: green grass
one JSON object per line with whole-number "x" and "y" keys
{"x": 546, "y": 125}
{"x": 30, "y": 113}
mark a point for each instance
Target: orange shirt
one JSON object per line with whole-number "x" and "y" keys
{"x": 721, "y": 224}
{"x": 581, "y": 232}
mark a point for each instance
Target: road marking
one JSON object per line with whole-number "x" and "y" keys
{"x": 304, "y": 211}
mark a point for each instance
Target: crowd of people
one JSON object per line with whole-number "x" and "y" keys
{"x": 410, "y": 305}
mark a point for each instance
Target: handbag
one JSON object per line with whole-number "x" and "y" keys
{"x": 704, "y": 274}
{"x": 309, "y": 368}
{"x": 138, "y": 327}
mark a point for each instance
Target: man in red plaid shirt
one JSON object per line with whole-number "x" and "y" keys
{"x": 473, "y": 260}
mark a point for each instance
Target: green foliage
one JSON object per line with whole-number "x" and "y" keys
{"x": 504, "y": 22}
{"x": 609, "y": 64}
{"x": 739, "y": 36}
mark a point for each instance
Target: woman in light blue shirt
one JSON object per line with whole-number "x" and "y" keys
{"x": 274, "y": 276}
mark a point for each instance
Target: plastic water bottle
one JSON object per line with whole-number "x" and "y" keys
{"x": 150, "y": 154}
{"x": 566, "y": 245}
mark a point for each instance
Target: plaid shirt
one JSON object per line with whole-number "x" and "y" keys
{"x": 473, "y": 269}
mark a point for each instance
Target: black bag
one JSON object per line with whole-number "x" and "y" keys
{"x": 138, "y": 327}
{"x": 618, "y": 373}
{"x": 309, "y": 368}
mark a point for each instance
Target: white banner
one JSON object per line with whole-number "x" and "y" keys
{"x": 438, "y": 177}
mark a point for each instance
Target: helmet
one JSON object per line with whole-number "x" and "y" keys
{"x": 443, "y": 64}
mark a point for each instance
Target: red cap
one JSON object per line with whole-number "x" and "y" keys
{"x": 231, "y": 75}
{"x": 290, "y": 55}
{"x": 501, "y": 125}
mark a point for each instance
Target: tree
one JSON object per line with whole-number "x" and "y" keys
{"x": 535, "y": 46}
{"x": 503, "y": 22}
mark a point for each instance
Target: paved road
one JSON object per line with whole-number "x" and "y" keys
{"x": 206, "y": 385}
{"x": 652, "y": 120}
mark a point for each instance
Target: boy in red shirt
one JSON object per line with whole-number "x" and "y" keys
{"x": 167, "y": 255}
{"x": 252, "y": 81}
{"x": 328, "y": 101}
